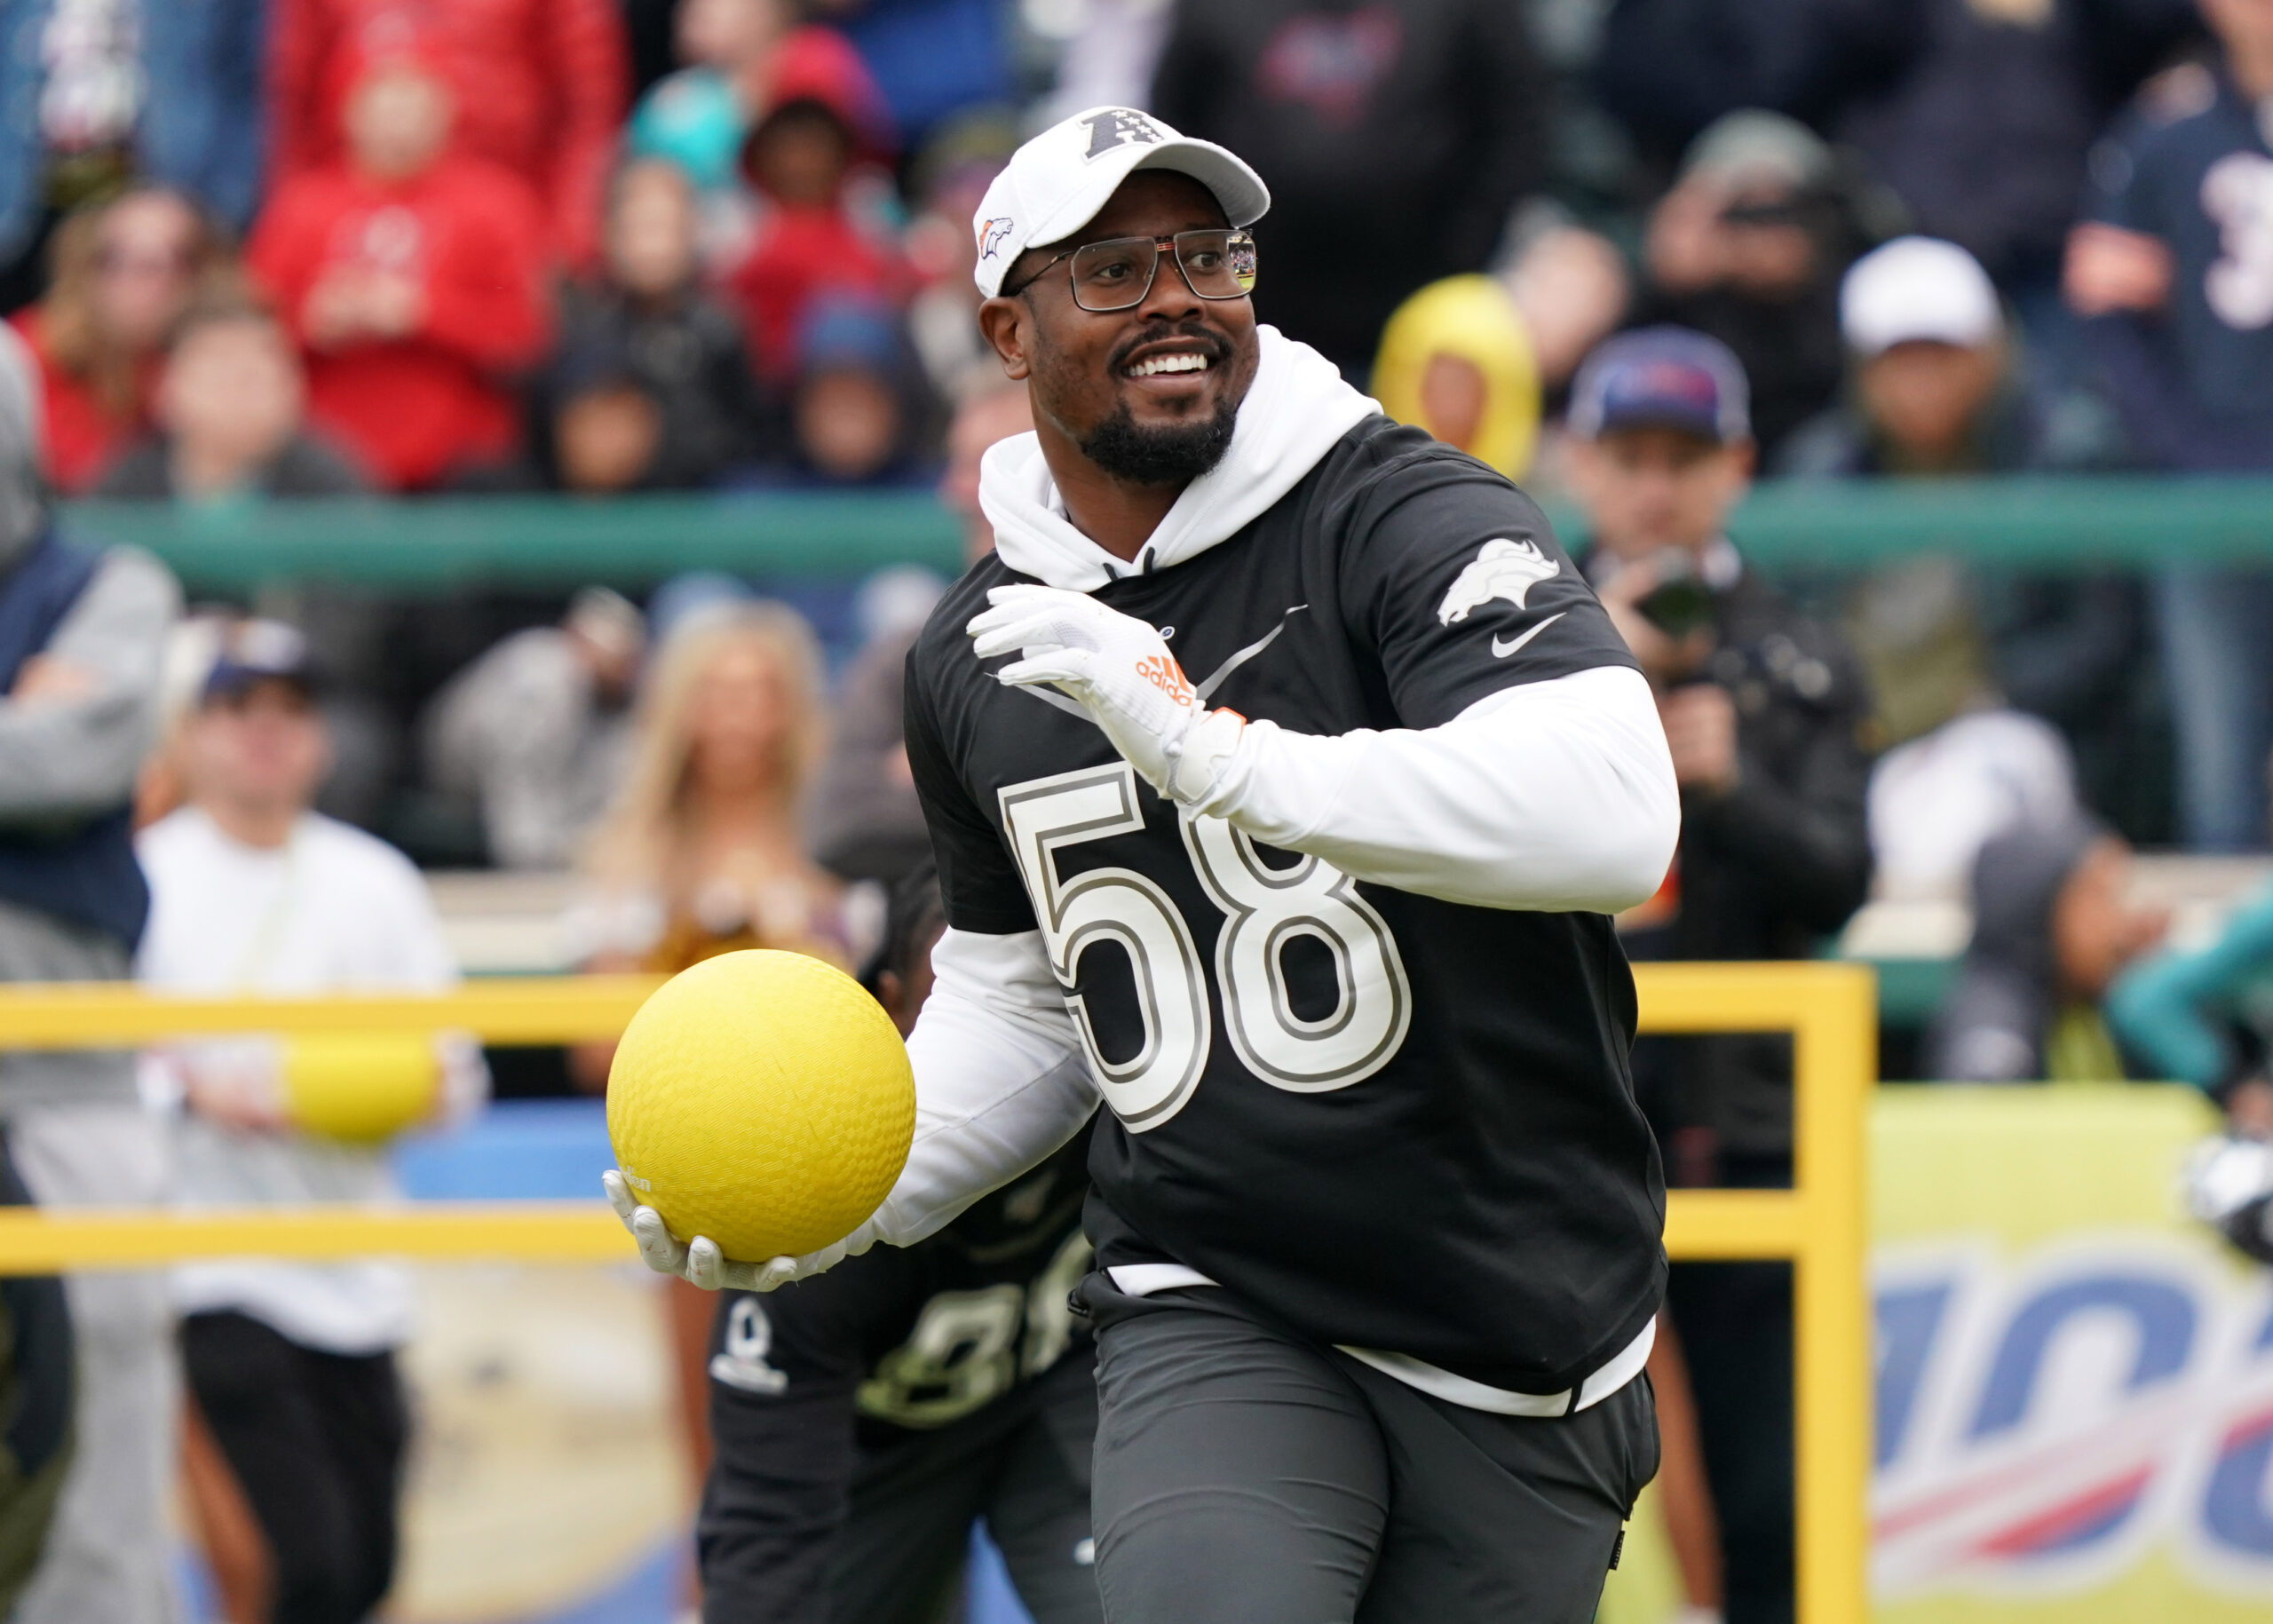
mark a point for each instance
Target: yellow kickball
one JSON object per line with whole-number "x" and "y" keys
{"x": 361, "y": 1087}
{"x": 763, "y": 1099}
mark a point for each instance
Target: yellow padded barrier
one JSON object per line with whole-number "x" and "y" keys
{"x": 1829, "y": 1008}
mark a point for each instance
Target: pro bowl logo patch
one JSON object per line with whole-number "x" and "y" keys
{"x": 1502, "y": 569}
{"x": 991, "y": 233}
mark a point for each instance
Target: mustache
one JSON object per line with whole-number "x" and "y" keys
{"x": 1213, "y": 344}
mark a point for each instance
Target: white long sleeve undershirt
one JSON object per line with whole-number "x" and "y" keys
{"x": 1553, "y": 797}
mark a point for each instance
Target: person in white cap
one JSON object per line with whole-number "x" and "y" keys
{"x": 1932, "y": 378}
{"x": 1283, "y": 775}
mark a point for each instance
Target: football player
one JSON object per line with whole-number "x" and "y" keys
{"x": 1283, "y": 775}
{"x": 862, "y": 1422}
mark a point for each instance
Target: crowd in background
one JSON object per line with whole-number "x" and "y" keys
{"x": 298, "y": 248}
{"x": 1636, "y": 254}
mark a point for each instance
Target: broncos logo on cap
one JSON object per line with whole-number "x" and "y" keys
{"x": 1502, "y": 569}
{"x": 991, "y": 233}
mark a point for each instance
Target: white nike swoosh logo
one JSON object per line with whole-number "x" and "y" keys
{"x": 1500, "y": 651}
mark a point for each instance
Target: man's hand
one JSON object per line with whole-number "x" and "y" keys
{"x": 2108, "y": 268}
{"x": 700, "y": 1263}
{"x": 1665, "y": 660}
{"x": 1118, "y": 670}
{"x": 1701, "y": 733}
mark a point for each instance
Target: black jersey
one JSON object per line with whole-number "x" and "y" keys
{"x": 919, "y": 1338}
{"x": 1394, "y": 1122}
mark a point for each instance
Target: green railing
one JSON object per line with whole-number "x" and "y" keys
{"x": 439, "y": 545}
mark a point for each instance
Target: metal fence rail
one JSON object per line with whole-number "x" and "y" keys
{"x": 1829, "y": 1008}
{"x": 432, "y": 545}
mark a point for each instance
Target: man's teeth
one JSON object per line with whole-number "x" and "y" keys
{"x": 1156, "y": 364}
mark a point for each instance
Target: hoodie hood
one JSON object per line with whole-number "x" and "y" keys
{"x": 1295, "y": 411}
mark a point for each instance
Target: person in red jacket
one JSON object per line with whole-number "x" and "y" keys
{"x": 810, "y": 243}
{"x": 414, "y": 279}
{"x": 553, "y": 85}
{"x": 124, "y": 271}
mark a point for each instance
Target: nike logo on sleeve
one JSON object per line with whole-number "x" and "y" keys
{"x": 1501, "y": 650}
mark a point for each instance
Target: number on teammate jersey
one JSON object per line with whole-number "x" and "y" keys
{"x": 1265, "y": 909}
{"x": 967, "y": 1346}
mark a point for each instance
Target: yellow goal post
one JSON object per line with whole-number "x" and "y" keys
{"x": 1829, "y": 1008}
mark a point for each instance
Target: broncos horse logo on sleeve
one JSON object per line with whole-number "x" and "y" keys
{"x": 1503, "y": 569}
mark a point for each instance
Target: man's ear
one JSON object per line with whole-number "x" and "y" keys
{"x": 1004, "y": 323}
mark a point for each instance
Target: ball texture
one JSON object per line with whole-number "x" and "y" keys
{"x": 361, "y": 1087}
{"x": 763, "y": 1099}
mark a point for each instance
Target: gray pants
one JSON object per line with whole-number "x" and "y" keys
{"x": 771, "y": 1547}
{"x": 105, "y": 1560}
{"x": 1248, "y": 1476}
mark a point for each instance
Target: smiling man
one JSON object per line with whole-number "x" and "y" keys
{"x": 1283, "y": 773}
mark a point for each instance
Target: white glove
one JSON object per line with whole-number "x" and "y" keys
{"x": 700, "y": 1263}
{"x": 1118, "y": 670}
{"x": 2229, "y": 1185}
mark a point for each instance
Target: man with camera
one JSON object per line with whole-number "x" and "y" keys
{"x": 1763, "y": 710}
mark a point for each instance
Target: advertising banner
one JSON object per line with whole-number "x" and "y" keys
{"x": 2073, "y": 1387}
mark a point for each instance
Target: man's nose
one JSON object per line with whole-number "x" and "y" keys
{"x": 1170, "y": 296}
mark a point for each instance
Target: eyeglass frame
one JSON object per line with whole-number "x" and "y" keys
{"x": 1231, "y": 232}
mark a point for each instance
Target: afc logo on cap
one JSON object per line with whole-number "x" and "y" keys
{"x": 1119, "y": 127}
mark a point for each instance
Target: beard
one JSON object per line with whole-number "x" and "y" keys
{"x": 1173, "y": 453}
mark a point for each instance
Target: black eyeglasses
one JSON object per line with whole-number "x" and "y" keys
{"x": 1118, "y": 273}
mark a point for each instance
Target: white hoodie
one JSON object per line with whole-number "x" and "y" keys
{"x": 1555, "y": 795}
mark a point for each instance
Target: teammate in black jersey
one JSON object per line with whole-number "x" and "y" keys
{"x": 862, "y": 1422}
{"x": 1283, "y": 773}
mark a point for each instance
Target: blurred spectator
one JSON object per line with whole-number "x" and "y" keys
{"x": 1667, "y": 69}
{"x": 2192, "y": 1017}
{"x": 931, "y": 58}
{"x": 1933, "y": 391}
{"x": 703, "y": 848}
{"x": 2052, "y": 927}
{"x": 743, "y": 59}
{"x": 1961, "y": 766}
{"x": 102, "y": 90}
{"x": 1749, "y": 246}
{"x": 1456, "y": 359}
{"x": 948, "y": 181}
{"x": 533, "y": 735}
{"x": 1981, "y": 132}
{"x": 292, "y": 1366}
{"x": 228, "y": 411}
{"x": 540, "y": 86}
{"x": 2173, "y": 276}
{"x": 1762, "y": 710}
{"x": 411, "y": 277}
{"x": 82, "y": 637}
{"x": 664, "y": 333}
{"x": 1571, "y": 286}
{"x": 854, "y": 419}
{"x": 124, "y": 272}
{"x": 35, "y": 1382}
{"x": 1936, "y": 386}
{"x": 1107, "y": 60}
{"x": 1396, "y": 138}
{"x": 869, "y": 825}
{"x": 809, "y": 244}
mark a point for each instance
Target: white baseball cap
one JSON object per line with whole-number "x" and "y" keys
{"x": 1056, "y": 182}
{"x": 1918, "y": 287}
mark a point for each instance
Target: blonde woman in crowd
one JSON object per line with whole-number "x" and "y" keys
{"x": 703, "y": 850}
